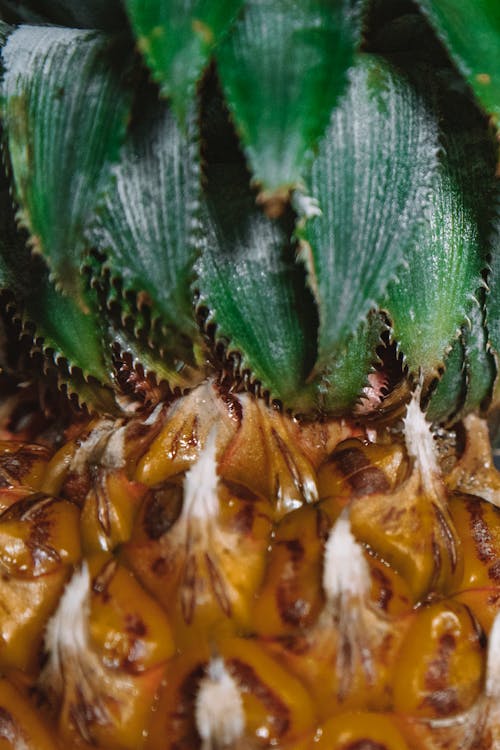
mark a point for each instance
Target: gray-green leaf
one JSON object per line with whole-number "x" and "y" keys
{"x": 371, "y": 180}
{"x": 282, "y": 69}
{"x": 431, "y": 297}
{"x": 177, "y": 38}
{"x": 65, "y": 112}
{"x": 147, "y": 221}
{"x": 254, "y": 291}
{"x": 470, "y": 30}
{"x": 59, "y": 324}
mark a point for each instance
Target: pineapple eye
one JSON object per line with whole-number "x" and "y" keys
{"x": 162, "y": 508}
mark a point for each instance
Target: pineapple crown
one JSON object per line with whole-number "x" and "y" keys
{"x": 297, "y": 196}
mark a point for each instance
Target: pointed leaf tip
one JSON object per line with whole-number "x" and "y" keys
{"x": 177, "y": 37}
{"x": 371, "y": 180}
{"x": 283, "y": 68}
{"x": 65, "y": 110}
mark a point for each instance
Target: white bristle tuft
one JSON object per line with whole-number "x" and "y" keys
{"x": 345, "y": 568}
{"x": 220, "y": 719}
{"x": 200, "y": 483}
{"x": 305, "y": 205}
{"x": 105, "y": 444}
{"x": 114, "y": 454}
{"x": 67, "y": 630}
{"x": 420, "y": 442}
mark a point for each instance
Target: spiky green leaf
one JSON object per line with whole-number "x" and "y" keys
{"x": 371, "y": 180}
{"x": 60, "y": 327}
{"x": 480, "y": 369}
{"x": 449, "y": 395}
{"x": 177, "y": 38}
{"x": 282, "y": 69}
{"x": 431, "y": 297}
{"x": 493, "y": 295}
{"x": 470, "y": 371}
{"x": 341, "y": 385}
{"x": 470, "y": 30}
{"x": 147, "y": 221}
{"x": 254, "y": 291}
{"x": 65, "y": 112}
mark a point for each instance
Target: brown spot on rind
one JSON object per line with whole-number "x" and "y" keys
{"x": 135, "y": 625}
{"x": 385, "y": 588}
{"x": 180, "y": 727}
{"x": 442, "y": 697}
{"x": 278, "y": 712}
{"x": 295, "y": 548}
{"x": 239, "y": 490}
{"x": 83, "y": 714}
{"x": 447, "y": 536}
{"x": 15, "y": 465}
{"x": 289, "y": 461}
{"x": 162, "y": 508}
{"x": 218, "y": 585}
{"x": 362, "y": 476}
{"x": 364, "y": 744}
{"x": 293, "y": 610}
{"x": 77, "y": 486}
{"x": 103, "y": 503}
{"x": 242, "y": 522}
{"x": 482, "y": 538}
{"x": 102, "y": 580}
{"x": 494, "y": 571}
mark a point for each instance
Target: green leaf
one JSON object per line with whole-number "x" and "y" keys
{"x": 341, "y": 384}
{"x": 177, "y": 38}
{"x": 283, "y": 68}
{"x": 470, "y": 30}
{"x": 146, "y": 224}
{"x": 449, "y": 394}
{"x": 65, "y": 112}
{"x": 431, "y": 297}
{"x": 60, "y": 327}
{"x": 480, "y": 369}
{"x": 254, "y": 291}
{"x": 371, "y": 180}
{"x": 493, "y": 295}
{"x": 154, "y": 364}
{"x": 470, "y": 371}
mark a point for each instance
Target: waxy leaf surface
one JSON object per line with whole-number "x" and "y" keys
{"x": 470, "y": 371}
{"x": 147, "y": 222}
{"x": 470, "y": 30}
{"x": 282, "y": 69}
{"x": 371, "y": 180}
{"x": 449, "y": 394}
{"x": 65, "y": 113}
{"x": 341, "y": 385}
{"x": 480, "y": 369}
{"x": 177, "y": 38}
{"x": 430, "y": 299}
{"x": 254, "y": 290}
{"x": 58, "y": 323}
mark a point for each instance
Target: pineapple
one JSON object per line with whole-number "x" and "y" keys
{"x": 250, "y": 315}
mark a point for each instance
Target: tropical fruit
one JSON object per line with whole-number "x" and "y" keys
{"x": 250, "y": 330}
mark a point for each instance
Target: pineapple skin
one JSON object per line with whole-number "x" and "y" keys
{"x": 235, "y": 578}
